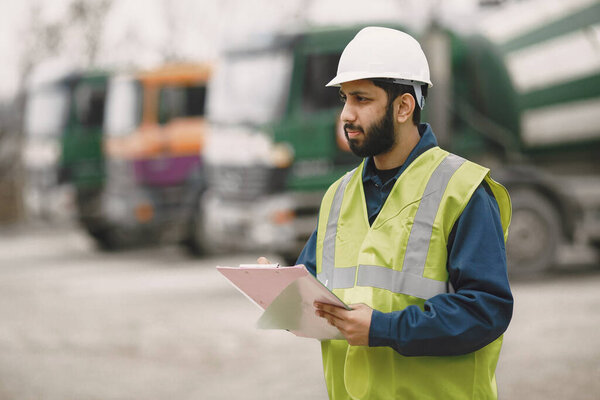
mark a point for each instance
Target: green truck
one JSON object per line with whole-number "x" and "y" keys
{"x": 272, "y": 148}
{"x": 507, "y": 102}
{"x": 63, "y": 154}
{"x": 521, "y": 94}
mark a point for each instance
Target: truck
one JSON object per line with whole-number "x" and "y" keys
{"x": 512, "y": 103}
{"x": 62, "y": 152}
{"x": 152, "y": 141}
{"x": 521, "y": 93}
{"x": 272, "y": 148}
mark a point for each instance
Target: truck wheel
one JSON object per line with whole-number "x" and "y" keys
{"x": 534, "y": 234}
{"x": 108, "y": 239}
{"x": 195, "y": 241}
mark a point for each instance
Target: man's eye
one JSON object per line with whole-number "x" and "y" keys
{"x": 343, "y": 99}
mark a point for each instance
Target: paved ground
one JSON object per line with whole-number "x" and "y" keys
{"x": 154, "y": 324}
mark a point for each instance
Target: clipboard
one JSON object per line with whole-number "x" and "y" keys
{"x": 286, "y": 294}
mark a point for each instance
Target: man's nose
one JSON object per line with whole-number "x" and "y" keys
{"x": 348, "y": 114}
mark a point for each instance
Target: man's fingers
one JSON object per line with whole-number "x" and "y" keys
{"x": 354, "y": 324}
{"x": 331, "y": 318}
{"x": 328, "y": 308}
{"x": 333, "y": 314}
{"x": 263, "y": 260}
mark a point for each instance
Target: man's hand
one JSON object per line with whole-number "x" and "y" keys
{"x": 354, "y": 324}
{"x": 263, "y": 260}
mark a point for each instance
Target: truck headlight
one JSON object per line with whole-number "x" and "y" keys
{"x": 282, "y": 155}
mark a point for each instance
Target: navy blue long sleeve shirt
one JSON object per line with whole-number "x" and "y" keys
{"x": 452, "y": 323}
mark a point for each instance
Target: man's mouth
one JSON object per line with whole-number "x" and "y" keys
{"x": 352, "y": 131}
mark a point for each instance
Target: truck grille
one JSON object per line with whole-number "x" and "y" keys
{"x": 175, "y": 199}
{"x": 245, "y": 183}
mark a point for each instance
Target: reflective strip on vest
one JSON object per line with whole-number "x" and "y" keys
{"x": 420, "y": 234}
{"x": 343, "y": 278}
{"x": 409, "y": 280}
{"x": 326, "y": 275}
{"x": 399, "y": 281}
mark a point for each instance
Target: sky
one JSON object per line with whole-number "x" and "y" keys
{"x": 137, "y": 33}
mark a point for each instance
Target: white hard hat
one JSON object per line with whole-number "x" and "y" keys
{"x": 377, "y": 52}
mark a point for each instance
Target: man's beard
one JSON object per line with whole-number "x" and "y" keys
{"x": 379, "y": 137}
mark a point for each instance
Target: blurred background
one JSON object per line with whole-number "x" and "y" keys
{"x": 142, "y": 143}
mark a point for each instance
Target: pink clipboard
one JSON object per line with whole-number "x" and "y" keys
{"x": 262, "y": 284}
{"x": 286, "y": 294}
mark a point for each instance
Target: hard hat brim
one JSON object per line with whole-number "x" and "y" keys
{"x": 356, "y": 76}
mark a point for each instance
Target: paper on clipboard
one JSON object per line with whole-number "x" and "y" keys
{"x": 293, "y": 310}
{"x": 262, "y": 284}
{"x": 287, "y": 295}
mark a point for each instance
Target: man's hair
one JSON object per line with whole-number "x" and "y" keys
{"x": 394, "y": 90}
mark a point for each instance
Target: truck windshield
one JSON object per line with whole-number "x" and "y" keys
{"x": 181, "y": 102}
{"x": 46, "y": 112}
{"x": 250, "y": 87}
{"x": 123, "y": 106}
{"x": 89, "y": 104}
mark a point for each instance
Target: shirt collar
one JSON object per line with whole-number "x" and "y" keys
{"x": 427, "y": 141}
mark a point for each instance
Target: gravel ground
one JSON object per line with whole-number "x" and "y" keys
{"x": 155, "y": 324}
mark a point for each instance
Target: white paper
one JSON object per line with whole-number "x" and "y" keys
{"x": 294, "y": 310}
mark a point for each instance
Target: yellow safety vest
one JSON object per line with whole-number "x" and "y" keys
{"x": 399, "y": 261}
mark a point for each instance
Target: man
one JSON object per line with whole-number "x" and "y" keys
{"x": 414, "y": 239}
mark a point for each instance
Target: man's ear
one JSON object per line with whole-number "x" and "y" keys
{"x": 404, "y": 107}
